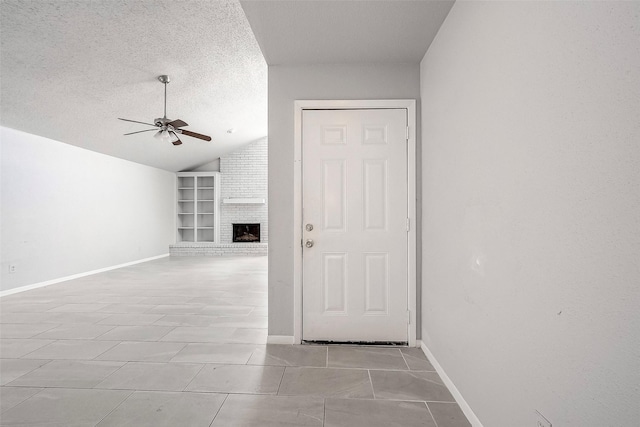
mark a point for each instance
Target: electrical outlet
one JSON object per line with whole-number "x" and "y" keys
{"x": 542, "y": 421}
{"x": 12, "y": 268}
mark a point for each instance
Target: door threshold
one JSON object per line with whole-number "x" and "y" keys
{"x": 359, "y": 343}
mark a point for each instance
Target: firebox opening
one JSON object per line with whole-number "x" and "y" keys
{"x": 244, "y": 233}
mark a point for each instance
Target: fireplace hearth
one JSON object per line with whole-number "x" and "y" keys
{"x": 246, "y": 233}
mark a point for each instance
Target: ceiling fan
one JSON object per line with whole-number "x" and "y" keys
{"x": 167, "y": 129}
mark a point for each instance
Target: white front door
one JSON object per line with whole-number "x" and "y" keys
{"x": 354, "y": 186}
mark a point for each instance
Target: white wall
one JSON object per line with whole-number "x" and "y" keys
{"x": 66, "y": 210}
{"x": 287, "y": 84}
{"x": 531, "y": 210}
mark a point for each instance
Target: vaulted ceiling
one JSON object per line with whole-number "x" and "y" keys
{"x": 69, "y": 69}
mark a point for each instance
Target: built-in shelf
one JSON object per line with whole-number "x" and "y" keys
{"x": 244, "y": 201}
{"x": 197, "y": 222}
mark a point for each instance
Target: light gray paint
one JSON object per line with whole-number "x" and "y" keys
{"x": 531, "y": 224}
{"x": 66, "y": 210}
{"x": 334, "y": 32}
{"x": 70, "y": 68}
{"x": 287, "y": 84}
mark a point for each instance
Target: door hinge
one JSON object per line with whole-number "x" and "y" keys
{"x": 408, "y": 317}
{"x": 408, "y": 224}
{"x": 407, "y": 135}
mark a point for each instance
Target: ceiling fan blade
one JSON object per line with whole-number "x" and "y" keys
{"x": 177, "y": 141}
{"x": 177, "y": 123}
{"x": 135, "y": 121}
{"x": 195, "y": 135}
{"x": 140, "y": 131}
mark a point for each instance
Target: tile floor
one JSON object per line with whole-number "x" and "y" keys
{"x": 182, "y": 342}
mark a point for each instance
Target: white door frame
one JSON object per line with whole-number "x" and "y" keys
{"x": 300, "y": 105}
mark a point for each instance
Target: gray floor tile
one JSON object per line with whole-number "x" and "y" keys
{"x": 242, "y": 321}
{"x": 68, "y": 374}
{"x": 10, "y": 369}
{"x": 75, "y": 331}
{"x": 72, "y": 350}
{"x": 376, "y": 413}
{"x": 416, "y": 359}
{"x": 126, "y": 308}
{"x": 195, "y": 334}
{"x": 412, "y": 385}
{"x": 177, "y": 309}
{"x": 12, "y": 396}
{"x": 290, "y": 355}
{"x": 136, "y": 333}
{"x": 152, "y": 376}
{"x": 120, "y": 299}
{"x": 75, "y": 317}
{"x": 260, "y": 311}
{"x": 11, "y": 348}
{"x": 448, "y": 414}
{"x": 226, "y": 310}
{"x": 254, "y": 302}
{"x": 130, "y": 319}
{"x": 153, "y": 300}
{"x": 24, "y": 330}
{"x": 249, "y": 336}
{"x": 205, "y": 310}
{"x": 187, "y": 320}
{"x": 326, "y": 382}
{"x": 28, "y": 307}
{"x": 77, "y": 308}
{"x": 270, "y": 411}
{"x": 238, "y": 379}
{"x": 210, "y": 334}
{"x": 165, "y": 409}
{"x": 24, "y": 317}
{"x": 64, "y": 407}
{"x": 215, "y": 353}
{"x": 134, "y": 351}
{"x": 365, "y": 357}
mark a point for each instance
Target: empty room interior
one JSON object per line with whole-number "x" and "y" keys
{"x": 320, "y": 213}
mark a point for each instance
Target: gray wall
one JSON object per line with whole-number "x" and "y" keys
{"x": 531, "y": 201}
{"x": 287, "y": 84}
{"x": 66, "y": 210}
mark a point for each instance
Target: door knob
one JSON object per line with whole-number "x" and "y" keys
{"x": 309, "y": 227}
{"x": 308, "y": 243}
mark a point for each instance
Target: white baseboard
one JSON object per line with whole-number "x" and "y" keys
{"x": 471, "y": 416}
{"x": 75, "y": 276}
{"x": 280, "y": 339}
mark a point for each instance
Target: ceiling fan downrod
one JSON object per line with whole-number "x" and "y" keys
{"x": 165, "y": 80}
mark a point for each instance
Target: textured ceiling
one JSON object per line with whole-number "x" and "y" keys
{"x": 353, "y": 31}
{"x": 68, "y": 69}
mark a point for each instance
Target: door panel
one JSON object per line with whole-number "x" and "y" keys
{"x": 354, "y": 165}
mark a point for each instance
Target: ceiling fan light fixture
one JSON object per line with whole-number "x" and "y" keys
{"x": 164, "y": 136}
